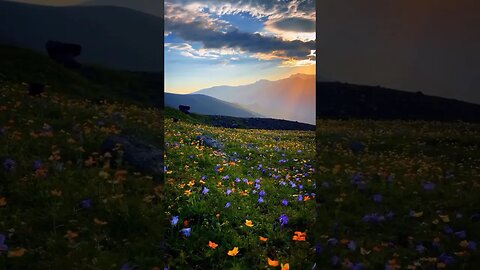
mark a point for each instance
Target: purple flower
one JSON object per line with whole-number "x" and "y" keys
{"x": 237, "y": 180}
{"x": 261, "y": 200}
{"x": 9, "y": 164}
{"x": 37, "y": 165}
{"x": 257, "y": 186}
{"x": 285, "y": 202}
{"x": 227, "y": 205}
{"x": 420, "y": 248}
{"x": 229, "y": 191}
{"x": 471, "y": 245}
{"x": 204, "y": 177}
{"x": 129, "y": 266}
{"x": 358, "y": 266}
{"x": 186, "y": 231}
{"x": 257, "y": 181}
{"x": 378, "y": 198}
{"x": 429, "y": 186}
{"x": 226, "y": 177}
{"x": 174, "y": 220}
{"x": 283, "y": 220}
{"x": 447, "y": 259}
{"x": 332, "y": 241}
{"x": 373, "y": 218}
{"x": 262, "y": 193}
{"x": 352, "y": 245}
{"x": 86, "y": 204}
{"x": 461, "y": 234}
{"x": 335, "y": 260}
{"x": 447, "y": 229}
{"x": 300, "y": 198}
{"x": 3, "y": 246}
{"x": 205, "y": 190}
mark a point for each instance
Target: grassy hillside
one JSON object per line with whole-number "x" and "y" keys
{"x": 61, "y": 205}
{"x": 252, "y": 196}
{"x": 91, "y": 82}
{"x": 398, "y": 195}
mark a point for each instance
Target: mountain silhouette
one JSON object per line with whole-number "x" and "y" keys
{"x": 153, "y": 7}
{"x": 114, "y": 37}
{"x": 348, "y": 101}
{"x": 207, "y": 105}
{"x": 292, "y": 98}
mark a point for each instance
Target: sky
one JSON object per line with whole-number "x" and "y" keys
{"x": 415, "y": 45}
{"x": 211, "y": 43}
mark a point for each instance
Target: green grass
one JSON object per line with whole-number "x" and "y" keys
{"x": 399, "y": 158}
{"x": 191, "y": 167}
{"x": 47, "y": 129}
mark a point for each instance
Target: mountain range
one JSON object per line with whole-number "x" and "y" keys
{"x": 292, "y": 98}
{"x": 113, "y": 37}
{"x": 203, "y": 104}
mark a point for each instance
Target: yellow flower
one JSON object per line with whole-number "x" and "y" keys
{"x": 19, "y": 252}
{"x": 272, "y": 262}
{"x": 249, "y": 223}
{"x": 444, "y": 218}
{"x": 212, "y": 245}
{"x": 56, "y": 193}
{"x": 233, "y": 252}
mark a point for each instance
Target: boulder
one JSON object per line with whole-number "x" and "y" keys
{"x": 184, "y": 108}
{"x": 208, "y": 141}
{"x": 144, "y": 157}
{"x": 64, "y": 53}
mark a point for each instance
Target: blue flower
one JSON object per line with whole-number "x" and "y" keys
{"x": 285, "y": 202}
{"x": 283, "y": 220}
{"x": 429, "y": 186}
{"x": 186, "y": 232}
{"x": 3, "y": 246}
{"x": 9, "y": 164}
{"x": 229, "y": 191}
{"x": 129, "y": 266}
{"x": 86, "y": 204}
{"x": 352, "y": 245}
{"x": 461, "y": 234}
{"x": 300, "y": 197}
{"x": 37, "y": 165}
{"x": 420, "y": 248}
{"x": 262, "y": 193}
{"x": 237, "y": 180}
{"x": 205, "y": 190}
{"x": 174, "y": 220}
{"x": 332, "y": 241}
{"x": 261, "y": 200}
{"x": 472, "y": 245}
{"x": 335, "y": 260}
{"x": 228, "y": 204}
{"x": 378, "y": 198}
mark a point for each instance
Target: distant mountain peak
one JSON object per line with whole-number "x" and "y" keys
{"x": 302, "y": 76}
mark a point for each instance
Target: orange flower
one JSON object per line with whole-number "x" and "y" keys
{"x": 233, "y": 252}
{"x": 213, "y": 245}
{"x": 285, "y": 266}
{"x": 3, "y": 201}
{"x": 99, "y": 222}
{"x": 249, "y": 223}
{"x": 71, "y": 235}
{"x": 306, "y": 198}
{"x": 120, "y": 176}
{"x": 19, "y": 252}
{"x": 272, "y": 262}
{"x": 299, "y": 236}
{"x": 264, "y": 239}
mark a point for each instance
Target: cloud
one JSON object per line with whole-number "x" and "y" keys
{"x": 193, "y": 23}
{"x": 293, "y": 24}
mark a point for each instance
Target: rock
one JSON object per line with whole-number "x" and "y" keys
{"x": 184, "y": 108}
{"x": 64, "y": 53}
{"x": 142, "y": 156}
{"x": 35, "y": 89}
{"x": 206, "y": 140}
